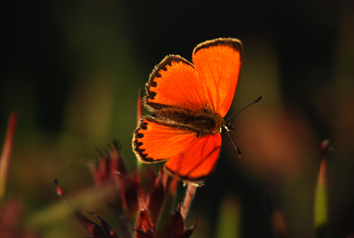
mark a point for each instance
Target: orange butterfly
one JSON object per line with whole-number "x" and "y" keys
{"x": 188, "y": 102}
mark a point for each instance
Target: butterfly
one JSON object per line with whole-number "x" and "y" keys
{"x": 188, "y": 103}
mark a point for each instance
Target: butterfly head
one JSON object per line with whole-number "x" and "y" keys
{"x": 226, "y": 127}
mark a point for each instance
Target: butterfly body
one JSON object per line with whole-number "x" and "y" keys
{"x": 188, "y": 103}
{"x": 201, "y": 122}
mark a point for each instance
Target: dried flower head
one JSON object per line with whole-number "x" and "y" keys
{"x": 134, "y": 202}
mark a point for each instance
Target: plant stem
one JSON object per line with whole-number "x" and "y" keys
{"x": 188, "y": 198}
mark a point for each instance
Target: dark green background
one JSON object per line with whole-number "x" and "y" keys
{"x": 72, "y": 70}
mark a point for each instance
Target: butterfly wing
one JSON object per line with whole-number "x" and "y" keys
{"x": 210, "y": 80}
{"x": 174, "y": 82}
{"x": 188, "y": 156}
{"x": 198, "y": 160}
{"x": 218, "y": 64}
{"x": 155, "y": 142}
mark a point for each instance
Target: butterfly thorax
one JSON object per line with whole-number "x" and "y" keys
{"x": 203, "y": 122}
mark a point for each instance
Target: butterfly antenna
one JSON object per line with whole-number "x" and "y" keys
{"x": 234, "y": 143}
{"x": 247, "y": 106}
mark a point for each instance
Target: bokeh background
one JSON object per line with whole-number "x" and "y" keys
{"x": 72, "y": 70}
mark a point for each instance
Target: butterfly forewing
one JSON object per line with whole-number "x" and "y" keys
{"x": 218, "y": 63}
{"x": 175, "y": 83}
{"x": 154, "y": 141}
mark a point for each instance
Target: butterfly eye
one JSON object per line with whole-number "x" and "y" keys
{"x": 227, "y": 127}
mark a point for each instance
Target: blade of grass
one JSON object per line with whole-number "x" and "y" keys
{"x": 6, "y": 155}
{"x": 321, "y": 203}
{"x": 88, "y": 197}
{"x": 229, "y": 218}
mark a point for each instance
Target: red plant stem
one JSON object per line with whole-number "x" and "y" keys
{"x": 322, "y": 177}
{"x": 140, "y": 106}
{"x": 6, "y": 155}
{"x": 188, "y": 198}
{"x": 139, "y": 115}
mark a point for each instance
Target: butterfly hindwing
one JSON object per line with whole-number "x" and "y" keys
{"x": 188, "y": 156}
{"x": 198, "y": 160}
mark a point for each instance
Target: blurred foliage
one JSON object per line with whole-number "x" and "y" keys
{"x": 72, "y": 70}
